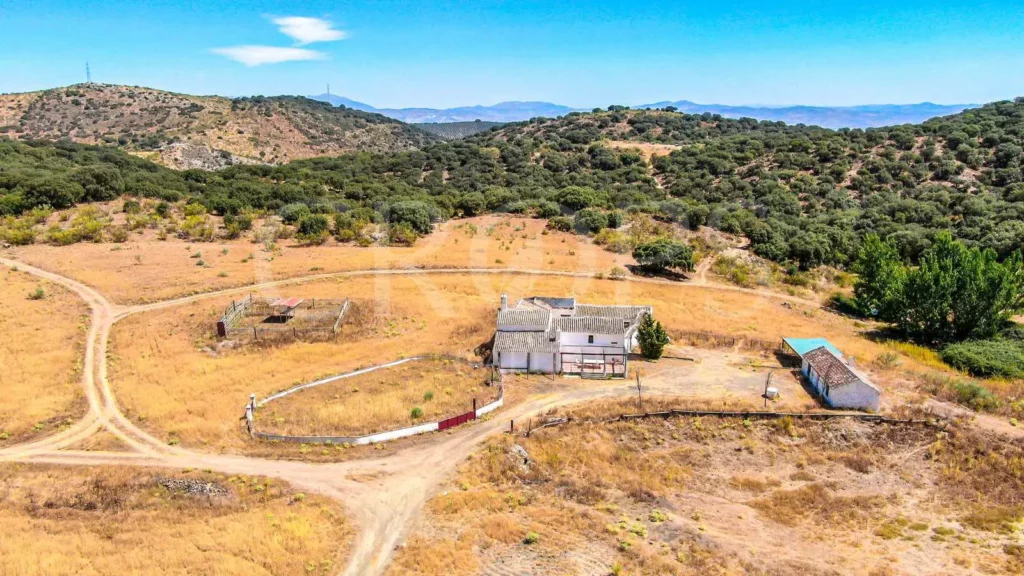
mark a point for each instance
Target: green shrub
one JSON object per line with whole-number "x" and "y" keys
{"x": 975, "y": 396}
{"x": 131, "y": 207}
{"x": 313, "y": 228}
{"x": 292, "y": 213}
{"x": 589, "y": 220}
{"x": 416, "y": 413}
{"x": 401, "y": 234}
{"x": 845, "y": 304}
{"x": 987, "y": 358}
{"x": 560, "y": 223}
{"x": 531, "y": 538}
{"x": 428, "y": 396}
{"x": 37, "y": 294}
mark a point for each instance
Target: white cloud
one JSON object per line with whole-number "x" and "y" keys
{"x": 257, "y": 55}
{"x": 308, "y": 30}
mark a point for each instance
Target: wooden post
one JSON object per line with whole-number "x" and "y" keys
{"x": 474, "y": 407}
{"x": 255, "y": 335}
{"x": 639, "y": 392}
{"x": 511, "y": 426}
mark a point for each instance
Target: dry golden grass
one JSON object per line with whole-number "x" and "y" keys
{"x": 689, "y": 496}
{"x": 110, "y": 520}
{"x": 169, "y": 385}
{"x": 40, "y": 357}
{"x": 380, "y": 400}
{"x": 147, "y": 270}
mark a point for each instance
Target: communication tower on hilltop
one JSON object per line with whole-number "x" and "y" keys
{"x": 88, "y": 75}
{"x": 329, "y": 95}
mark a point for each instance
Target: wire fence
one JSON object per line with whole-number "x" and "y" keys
{"x": 703, "y": 339}
{"x": 259, "y": 319}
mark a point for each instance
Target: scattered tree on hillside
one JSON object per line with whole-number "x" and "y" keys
{"x": 662, "y": 254}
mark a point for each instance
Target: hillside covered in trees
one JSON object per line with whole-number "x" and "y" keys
{"x": 801, "y": 194}
{"x": 184, "y": 131}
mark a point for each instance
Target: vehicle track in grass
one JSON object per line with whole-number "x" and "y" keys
{"x": 383, "y": 495}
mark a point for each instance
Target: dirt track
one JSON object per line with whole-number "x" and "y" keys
{"x": 383, "y": 496}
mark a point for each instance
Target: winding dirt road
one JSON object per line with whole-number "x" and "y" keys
{"x": 382, "y": 508}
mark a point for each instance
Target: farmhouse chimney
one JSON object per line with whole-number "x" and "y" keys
{"x": 504, "y": 301}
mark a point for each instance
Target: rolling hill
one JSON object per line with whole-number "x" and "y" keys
{"x": 803, "y": 195}
{"x": 875, "y": 115}
{"x": 211, "y": 132}
{"x": 868, "y": 116}
{"x": 456, "y": 130}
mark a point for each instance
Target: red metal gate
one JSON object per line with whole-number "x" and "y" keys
{"x": 456, "y": 420}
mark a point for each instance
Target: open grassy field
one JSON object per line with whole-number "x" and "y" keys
{"x": 166, "y": 382}
{"x": 727, "y": 496}
{"x": 145, "y": 269}
{"x": 43, "y": 330}
{"x": 382, "y": 400}
{"x": 112, "y": 520}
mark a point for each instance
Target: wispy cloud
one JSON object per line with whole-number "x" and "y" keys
{"x": 257, "y": 55}
{"x": 302, "y": 29}
{"x": 307, "y": 30}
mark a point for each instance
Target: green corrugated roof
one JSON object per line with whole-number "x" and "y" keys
{"x": 804, "y": 345}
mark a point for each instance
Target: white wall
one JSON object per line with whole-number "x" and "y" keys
{"x": 512, "y": 360}
{"x": 581, "y": 339}
{"x": 856, "y": 395}
{"x": 543, "y": 362}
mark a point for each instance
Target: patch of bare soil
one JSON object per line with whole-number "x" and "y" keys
{"x": 727, "y": 496}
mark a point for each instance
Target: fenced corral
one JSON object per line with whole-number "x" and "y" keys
{"x": 270, "y": 319}
{"x": 593, "y": 362}
{"x": 700, "y": 339}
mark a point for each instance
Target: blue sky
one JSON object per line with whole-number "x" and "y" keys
{"x": 448, "y": 53}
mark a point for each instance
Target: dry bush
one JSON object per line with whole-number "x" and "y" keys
{"x": 754, "y": 484}
{"x": 819, "y": 503}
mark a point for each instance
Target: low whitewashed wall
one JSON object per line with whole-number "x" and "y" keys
{"x": 292, "y": 390}
{"x": 356, "y": 440}
{"x": 493, "y": 405}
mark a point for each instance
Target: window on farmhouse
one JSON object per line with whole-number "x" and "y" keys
{"x": 590, "y": 339}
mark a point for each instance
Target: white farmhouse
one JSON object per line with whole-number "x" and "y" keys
{"x": 557, "y": 335}
{"x": 839, "y": 383}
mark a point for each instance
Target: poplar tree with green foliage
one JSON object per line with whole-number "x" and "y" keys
{"x": 881, "y": 278}
{"x": 652, "y": 338}
{"x": 956, "y": 293}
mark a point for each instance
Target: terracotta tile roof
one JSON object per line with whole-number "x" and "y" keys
{"x": 525, "y": 342}
{"x": 533, "y": 319}
{"x": 591, "y": 325}
{"x": 631, "y": 313}
{"x": 828, "y": 366}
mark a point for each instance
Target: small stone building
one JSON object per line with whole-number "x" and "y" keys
{"x": 838, "y": 383}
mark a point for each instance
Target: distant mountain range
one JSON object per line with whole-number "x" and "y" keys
{"x": 827, "y": 116}
{"x": 501, "y": 112}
